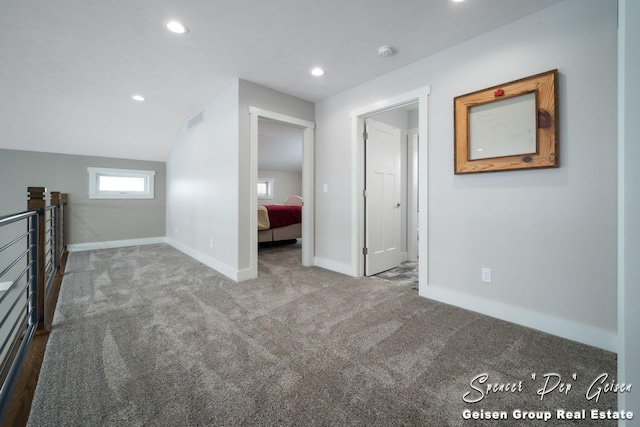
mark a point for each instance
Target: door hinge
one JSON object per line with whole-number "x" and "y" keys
{"x": 364, "y": 193}
{"x": 365, "y": 251}
{"x": 365, "y": 135}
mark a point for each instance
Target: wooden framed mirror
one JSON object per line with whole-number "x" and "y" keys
{"x": 507, "y": 127}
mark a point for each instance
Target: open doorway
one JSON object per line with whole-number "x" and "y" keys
{"x": 279, "y": 186}
{"x": 273, "y": 121}
{"x": 391, "y": 187}
{"x": 406, "y": 113}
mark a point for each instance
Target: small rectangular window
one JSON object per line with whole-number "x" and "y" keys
{"x": 107, "y": 183}
{"x": 265, "y": 188}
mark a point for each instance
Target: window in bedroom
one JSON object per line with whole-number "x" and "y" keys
{"x": 265, "y": 188}
{"x": 107, "y": 183}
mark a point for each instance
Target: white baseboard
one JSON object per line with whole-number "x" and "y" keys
{"x": 218, "y": 266}
{"x": 78, "y": 247}
{"x": 564, "y": 328}
{"x": 338, "y": 267}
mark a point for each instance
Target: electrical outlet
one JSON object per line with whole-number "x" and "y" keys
{"x": 486, "y": 275}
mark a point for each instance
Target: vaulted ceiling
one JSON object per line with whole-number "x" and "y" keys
{"x": 68, "y": 68}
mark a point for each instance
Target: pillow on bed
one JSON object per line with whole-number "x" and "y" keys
{"x": 263, "y": 218}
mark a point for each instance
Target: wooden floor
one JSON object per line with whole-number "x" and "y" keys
{"x": 18, "y": 409}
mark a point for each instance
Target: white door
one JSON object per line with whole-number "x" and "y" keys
{"x": 382, "y": 197}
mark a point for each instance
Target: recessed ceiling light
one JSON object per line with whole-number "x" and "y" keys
{"x": 176, "y": 27}
{"x": 317, "y": 72}
{"x": 458, "y": 1}
{"x": 138, "y": 98}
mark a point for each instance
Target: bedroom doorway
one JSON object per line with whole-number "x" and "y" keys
{"x": 394, "y": 111}
{"x": 306, "y": 129}
{"x": 279, "y": 187}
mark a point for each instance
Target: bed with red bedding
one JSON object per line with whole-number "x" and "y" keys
{"x": 280, "y": 222}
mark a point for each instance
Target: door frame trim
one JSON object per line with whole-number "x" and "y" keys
{"x": 412, "y": 195}
{"x": 308, "y": 151}
{"x": 358, "y": 115}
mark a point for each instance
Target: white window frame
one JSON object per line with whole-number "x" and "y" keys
{"x": 96, "y": 173}
{"x": 269, "y": 182}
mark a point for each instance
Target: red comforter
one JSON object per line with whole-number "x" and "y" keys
{"x": 281, "y": 216}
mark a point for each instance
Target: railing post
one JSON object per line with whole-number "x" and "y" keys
{"x": 55, "y": 234}
{"x": 36, "y": 202}
{"x": 34, "y": 314}
{"x": 63, "y": 226}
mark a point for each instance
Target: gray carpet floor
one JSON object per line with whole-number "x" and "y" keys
{"x": 146, "y": 336}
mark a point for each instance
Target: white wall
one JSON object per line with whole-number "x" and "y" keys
{"x": 548, "y": 235}
{"x": 629, "y": 186}
{"x": 285, "y": 184}
{"x": 253, "y": 95}
{"x": 202, "y": 186}
{"x": 208, "y": 188}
